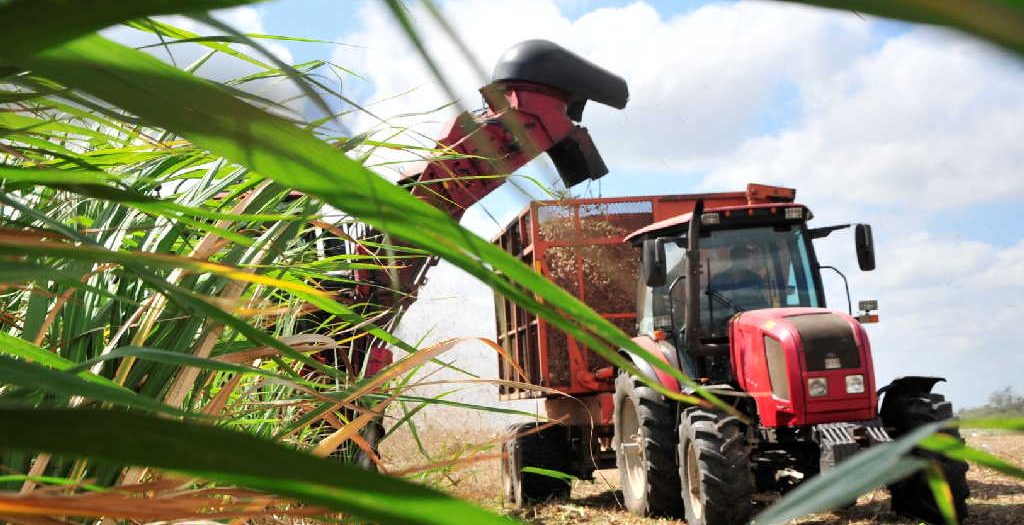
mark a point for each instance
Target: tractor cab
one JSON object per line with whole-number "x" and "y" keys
{"x": 751, "y": 258}
{"x": 748, "y": 310}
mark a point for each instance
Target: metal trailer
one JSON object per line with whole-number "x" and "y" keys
{"x": 579, "y": 245}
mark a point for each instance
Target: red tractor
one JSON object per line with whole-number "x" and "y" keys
{"x": 732, "y": 295}
{"x": 727, "y": 288}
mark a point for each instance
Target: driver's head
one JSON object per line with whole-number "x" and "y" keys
{"x": 742, "y": 254}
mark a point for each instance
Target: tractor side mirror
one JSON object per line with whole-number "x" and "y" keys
{"x": 865, "y": 247}
{"x": 653, "y": 263}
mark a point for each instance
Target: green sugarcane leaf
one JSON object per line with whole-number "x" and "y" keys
{"x": 941, "y": 493}
{"x": 100, "y": 184}
{"x": 34, "y": 25}
{"x": 954, "y": 448}
{"x": 998, "y": 21}
{"x": 17, "y": 347}
{"x": 548, "y": 473}
{"x": 37, "y": 377}
{"x": 181, "y": 359}
{"x": 998, "y": 423}
{"x": 226, "y": 456}
{"x": 17, "y": 245}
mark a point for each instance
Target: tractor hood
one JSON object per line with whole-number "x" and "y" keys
{"x": 804, "y": 365}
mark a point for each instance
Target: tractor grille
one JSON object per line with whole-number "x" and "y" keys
{"x": 828, "y": 342}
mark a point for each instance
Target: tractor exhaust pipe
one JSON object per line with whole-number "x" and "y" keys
{"x": 693, "y": 332}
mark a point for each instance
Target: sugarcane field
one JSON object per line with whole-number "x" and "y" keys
{"x": 545, "y": 262}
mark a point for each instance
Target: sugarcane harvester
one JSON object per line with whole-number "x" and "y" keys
{"x": 727, "y": 288}
{"x": 533, "y": 105}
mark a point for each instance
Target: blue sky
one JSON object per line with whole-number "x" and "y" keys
{"x": 326, "y": 19}
{"x": 912, "y": 129}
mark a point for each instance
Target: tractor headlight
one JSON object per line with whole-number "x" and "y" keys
{"x": 817, "y": 386}
{"x": 855, "y": 384}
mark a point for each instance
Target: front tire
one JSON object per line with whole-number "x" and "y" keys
{"x": 912, "y": 496}
{"x": 645, "y": 442}
{"x": 714, "y": 464}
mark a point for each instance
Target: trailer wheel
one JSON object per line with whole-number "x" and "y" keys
{"x": 645, "y": 442}
{"x": 373, "y": 432}
{"x": 912, "y": 496}
{"x": 714, "y": 464}
{"x": 548, "y": 449}
{"x": 353, "y": 454}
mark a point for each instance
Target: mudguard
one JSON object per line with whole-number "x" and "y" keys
{"x": 902, "y": 387}
{"x": 910, "y": 385}
{"x": 662, "y": 350}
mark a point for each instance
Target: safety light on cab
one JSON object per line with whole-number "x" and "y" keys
{"x": 710, "y": 219}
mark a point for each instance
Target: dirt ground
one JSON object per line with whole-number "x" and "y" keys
{"x": 995, "y": 499}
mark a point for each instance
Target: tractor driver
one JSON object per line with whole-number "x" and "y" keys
{"x": 739, "y": 285}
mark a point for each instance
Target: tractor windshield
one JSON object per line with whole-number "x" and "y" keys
{"x": 745, "y": 269}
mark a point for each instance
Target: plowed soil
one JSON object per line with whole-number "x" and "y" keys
{"x": 996, "y": 499}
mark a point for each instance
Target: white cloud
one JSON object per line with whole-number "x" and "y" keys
{"x": 925, "y": 125}
{"x": 245, "y": 19}
{"x": 698, "y": 82}
{"x": 930, "y": 122}
{"x": 951, "y": 308}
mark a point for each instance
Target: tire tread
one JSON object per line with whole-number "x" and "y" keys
{"x": 545, "y": 449}
{"x": 657, "y": 418}
{"x": 913, "y": 496}
{"x": 724, "y": 457}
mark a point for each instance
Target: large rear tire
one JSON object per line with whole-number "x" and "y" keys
{"x": 645, "y": 442}
{"x": 547, "y": 449}
{"x": 714, "y": 464}
{"x": 913, "y": 496}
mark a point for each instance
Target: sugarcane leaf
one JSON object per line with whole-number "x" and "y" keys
{"x": 64, "y": 384}
{"x": 871, "y": 468}
{"x": 998, "y": 423}
{"x": 33, "y": 25}
{"x": 941, "y": 492}
{"x": 998, "y": 21}
{"x": 956, "y": 449}
{"x": 222, "y": 455}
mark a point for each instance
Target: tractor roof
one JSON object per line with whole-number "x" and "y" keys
{"x": 680, "y": 221}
